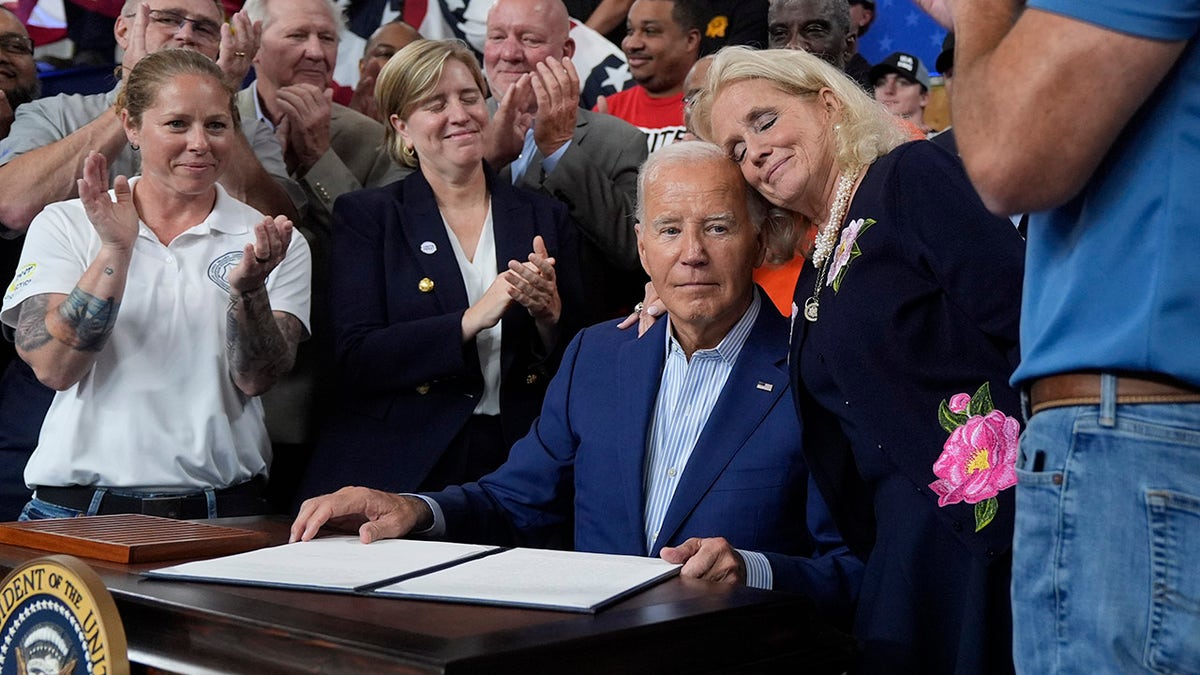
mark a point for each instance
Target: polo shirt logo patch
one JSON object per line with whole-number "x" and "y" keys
{"x": 22, "y": 279}
{"x": 218, "y": 270}
{"x": 717, "y": 27}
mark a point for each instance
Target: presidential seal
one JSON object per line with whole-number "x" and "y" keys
{"x": 57, "y": 618}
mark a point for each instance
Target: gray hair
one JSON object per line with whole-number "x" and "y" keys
{"x": 690, "y": 154}
{"x": 256, "y": 10}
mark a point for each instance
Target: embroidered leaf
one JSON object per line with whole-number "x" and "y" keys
{"x": 855, "y": 251}
{"x": 837, "y": 281}
{"x": 985, "y": 512}
{"x": 981, "y": 402}
{"x": 949, "y": 419}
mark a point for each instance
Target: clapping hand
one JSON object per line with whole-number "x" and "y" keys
{"x": 363, "y": 99}
{"x": 504, "y": 137}
{"x": 272, "y": 237}
{"x": 556, "y": 87}
{"x": 534, "y": 285}
{"x": 116, "y": 222}
{"x": 135, "y": 49}
{"x": 240, "y": 39}
{"x": 307, "y": 114}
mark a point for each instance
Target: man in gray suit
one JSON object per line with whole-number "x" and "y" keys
{"x": 542, "y": 139}
{"x": 329, "y": 150}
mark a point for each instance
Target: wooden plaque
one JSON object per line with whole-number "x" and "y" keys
{"x": 131, "y": 538}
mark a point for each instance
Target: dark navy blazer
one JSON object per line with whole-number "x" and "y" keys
{"x": 409, "y": 384}
{"x": 582, "y": 464}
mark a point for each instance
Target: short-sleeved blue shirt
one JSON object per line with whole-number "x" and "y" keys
{"x": 1112, "y": 278}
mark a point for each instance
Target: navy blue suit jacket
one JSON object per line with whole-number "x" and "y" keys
{"x": 582, "y": 464}
{"x": 409, "y": 383}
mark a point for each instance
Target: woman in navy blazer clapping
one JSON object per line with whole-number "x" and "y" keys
{"x": 452, "y": 294}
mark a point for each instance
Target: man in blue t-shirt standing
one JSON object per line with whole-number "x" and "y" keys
{"x": 1087, "y": 113}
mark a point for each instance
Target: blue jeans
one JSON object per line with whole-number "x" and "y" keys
{"x": 36, "y": 509}
{"x": 1106, "y": 552}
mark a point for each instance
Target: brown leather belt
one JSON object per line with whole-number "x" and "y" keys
{"x": 1067, "y": 389}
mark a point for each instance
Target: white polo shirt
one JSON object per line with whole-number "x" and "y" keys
{"x": 159, "y": 409}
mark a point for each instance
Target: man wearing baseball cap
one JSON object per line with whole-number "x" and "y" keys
{"x": 902, "y": 86}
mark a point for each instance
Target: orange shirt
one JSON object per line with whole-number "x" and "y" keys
{"x": 779, "y": 281}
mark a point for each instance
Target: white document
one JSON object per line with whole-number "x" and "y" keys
{"x": 340, "y": 563}
{"x": 527, "y": 577}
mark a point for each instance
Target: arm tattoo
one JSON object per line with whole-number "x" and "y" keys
{"x": 91, "y": 318}
{"x": 258, "y": 345}
{"x": 32, "y": 332}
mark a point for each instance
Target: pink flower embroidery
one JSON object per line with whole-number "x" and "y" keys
{"x": 978, "y": 460}
{"x": 846, "y": 250}
{"x": 958, "y": 402}
{"x": 980, "y": 457}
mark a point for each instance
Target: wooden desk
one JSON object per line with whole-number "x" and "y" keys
{"x": 680, "y": 625}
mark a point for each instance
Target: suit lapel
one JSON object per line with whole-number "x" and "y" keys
{"x": 514, "y": 228}
{"x": 639, "y": 367}
{"x": 513, "y": 223}
{"x": 425, "y": 231}
{"x": 757, "y": 381}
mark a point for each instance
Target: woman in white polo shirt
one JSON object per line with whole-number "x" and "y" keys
{"x": 159, "y": 311}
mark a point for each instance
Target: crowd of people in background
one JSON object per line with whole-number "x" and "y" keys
{"x": 689, "y": 279}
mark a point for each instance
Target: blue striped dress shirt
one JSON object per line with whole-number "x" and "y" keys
{"x": 686, "y": 397}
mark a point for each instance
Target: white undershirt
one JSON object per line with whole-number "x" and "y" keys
{"x": 478, "y": 275}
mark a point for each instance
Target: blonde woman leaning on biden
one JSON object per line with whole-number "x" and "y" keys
{"x": 904, "y": 335}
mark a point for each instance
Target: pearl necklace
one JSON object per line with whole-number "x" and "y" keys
{"x": 823, "y": 247}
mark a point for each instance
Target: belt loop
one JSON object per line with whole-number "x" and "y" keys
{"x": 210, "y": 496}
{"x": 1108, "y": 400}
{"x": 1026, "y": 406}
{"x": 97, "y": 497}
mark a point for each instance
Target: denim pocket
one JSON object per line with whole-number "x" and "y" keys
{"x": 37, "y": 509}
{"x": 1046, "y": 449}
{"x": 1173, "y": 641}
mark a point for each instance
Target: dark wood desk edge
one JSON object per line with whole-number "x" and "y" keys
{"x": 182, "y": 626}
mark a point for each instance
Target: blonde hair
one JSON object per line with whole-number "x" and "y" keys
{"x": 409, "y": 77}
{"x": 865, "y": 130}
{"x": 154, "y": 70}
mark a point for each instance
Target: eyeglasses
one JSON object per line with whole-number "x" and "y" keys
{"x": 206, "y": 30}
{"x": 16, "y": 45}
